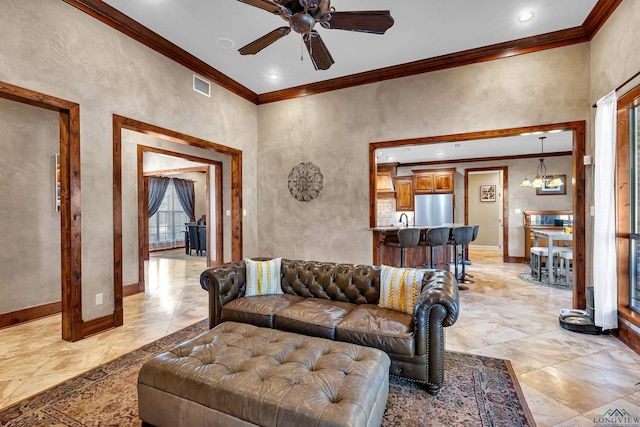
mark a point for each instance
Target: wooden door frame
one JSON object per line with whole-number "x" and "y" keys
{"x": 505, "y": 205}
{"x": 578, "y": 129}
{"x": 120, "y": 123}
{"x": 70, "y": 207}
{"x": 143, "y": 208}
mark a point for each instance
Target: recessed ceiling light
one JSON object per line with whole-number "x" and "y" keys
{"x": 555, "y": 131}
{"x": 526, "y": 16}
{"x": 389, "y": 158}
{"x": 273, "y": 76}
{"x": 225, "y": 43}
{"x": 537, "y": 132}
{"x": 525, "y": 134}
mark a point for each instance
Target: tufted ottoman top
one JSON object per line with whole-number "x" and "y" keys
{"x": 271, "y": 378}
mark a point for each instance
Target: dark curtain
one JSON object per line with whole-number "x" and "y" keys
{"x": 157, "y": 188}
{"x": 184, "y": 190}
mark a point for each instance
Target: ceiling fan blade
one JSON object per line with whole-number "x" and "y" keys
{"x": 268, "y": 5}
{"x": 264, "y": 41}
{"x": 369, "y": 21}
{"x": 318, "y": 51}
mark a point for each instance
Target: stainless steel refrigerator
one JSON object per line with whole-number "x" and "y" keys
{"x": 432, "y": 210}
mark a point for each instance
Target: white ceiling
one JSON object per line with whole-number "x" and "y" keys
{"x": 504, "y": 146}
{"x": 423, "y": 29}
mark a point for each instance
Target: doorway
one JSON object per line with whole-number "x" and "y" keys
{"x": 486, "y": 206}
{"x": 576, "y": 129}
{"x": 232, "y": 195}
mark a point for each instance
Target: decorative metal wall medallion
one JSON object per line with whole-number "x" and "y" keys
{"x": 305, "y": 181}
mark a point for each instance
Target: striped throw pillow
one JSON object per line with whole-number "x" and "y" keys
{"x": 400, "y": 288}
{"x": 263, "y": 277}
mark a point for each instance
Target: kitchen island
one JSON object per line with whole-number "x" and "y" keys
{"x": 414, "y": 257}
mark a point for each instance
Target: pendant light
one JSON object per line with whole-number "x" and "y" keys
{"x": 541, "y": 173}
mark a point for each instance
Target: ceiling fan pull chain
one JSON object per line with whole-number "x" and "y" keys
{"x": 301, "y": 49}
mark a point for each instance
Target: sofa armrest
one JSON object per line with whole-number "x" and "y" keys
{"x": 440, "y": 287}
{"x": 437, "y": 307}
{"x": 224, "y": 283}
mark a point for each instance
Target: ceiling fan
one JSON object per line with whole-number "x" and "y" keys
{"x": 303, "y": 15}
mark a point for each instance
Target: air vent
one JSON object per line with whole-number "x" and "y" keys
{"x": 202, "y": 86}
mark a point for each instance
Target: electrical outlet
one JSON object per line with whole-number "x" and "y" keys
{"x": 228, "y": 212}
{"x": 99, "y": 299}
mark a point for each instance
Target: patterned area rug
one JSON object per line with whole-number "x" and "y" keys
{"x": 560, "y": 285}
{"x": 479, "y": 391}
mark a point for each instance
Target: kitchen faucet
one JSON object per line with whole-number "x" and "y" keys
{"x": 406, "y": 219}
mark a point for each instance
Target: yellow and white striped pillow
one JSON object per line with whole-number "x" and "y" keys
{"x": 400, "y": 288}
{"x": 263, "y": 277}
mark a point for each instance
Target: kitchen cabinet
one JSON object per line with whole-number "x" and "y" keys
{"x": 384, "y": 180}
{"x": 404, "y": 193}
{"x": 433, "y": 181}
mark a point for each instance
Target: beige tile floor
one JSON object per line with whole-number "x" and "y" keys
{"x": 567, "y": 378}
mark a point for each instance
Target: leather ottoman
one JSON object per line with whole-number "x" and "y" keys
{"x": 242, "y": 375}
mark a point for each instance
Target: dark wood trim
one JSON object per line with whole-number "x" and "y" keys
{"x": 515, "y": 260}
{"x": 579, "y": 215}
{"x": 70, "y": 207}
{"x": 28, "y": 314}
{"x": 578, "y": 129}
{"x": 505, "y": 203}
{"x": 627, "y": 332}
{"x": 120, "y": 123}
{"x": 121, "y": 22}
{"x": 487, "y": 159}
{"x": 201, "y": 169}
{"x": 93, "y": 326}
{"x": 472, "y": 56}
{"x": 131, "y": 289}
{"x": 219, "y": 216}
{"x": 117, "y": 20}
{"x": 598, "y": 16}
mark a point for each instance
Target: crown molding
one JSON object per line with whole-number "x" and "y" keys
{"x": 119, "y": 21}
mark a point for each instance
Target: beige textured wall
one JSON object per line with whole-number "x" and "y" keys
{"x": 615, "y": 57}
{"x": 333, "y": 130}
{"x": 54, "y": 48}
{"x": 29, "y": 223}
{"x": 485, "y": 214}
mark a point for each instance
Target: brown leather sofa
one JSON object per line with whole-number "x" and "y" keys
{"x": 340, "y": 302}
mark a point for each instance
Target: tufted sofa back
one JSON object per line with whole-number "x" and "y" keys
{"x": 358, "y": 284}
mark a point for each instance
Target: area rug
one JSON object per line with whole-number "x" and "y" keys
{"x": 478, "y": 391}
{"x": 559, "y": 285}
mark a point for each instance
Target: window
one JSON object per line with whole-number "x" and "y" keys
{"x": 634, "y": 214}
{"x": 166, "y": 227}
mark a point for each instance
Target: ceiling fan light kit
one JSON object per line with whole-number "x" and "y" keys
{"x": 303, "y": 15}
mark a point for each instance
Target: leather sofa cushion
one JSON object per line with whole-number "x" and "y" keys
{"x": 258, "y": 310}
{"x": 372, "y": 326}
{"x": 313, "y": 316}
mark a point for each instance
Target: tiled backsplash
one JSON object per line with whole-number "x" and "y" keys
{"x": 387, "y": 214}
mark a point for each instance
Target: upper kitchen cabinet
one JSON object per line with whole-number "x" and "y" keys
{"x": 384, "y": 180}
{"x": 404, "y": 193}
{"x": 429, "y": 181}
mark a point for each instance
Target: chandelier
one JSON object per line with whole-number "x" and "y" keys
{"x": 540, "y": 180}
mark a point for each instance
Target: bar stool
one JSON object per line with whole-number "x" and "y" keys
{"x": 407, "y": 238}
{"x": 476, "y": 227}
{"x": 565, "y": 261}
{"x": 460, "y": 236}
{"x": 435, "y": 236}
{"x": 538, "y": 254}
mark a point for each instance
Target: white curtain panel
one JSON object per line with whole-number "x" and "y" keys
{"x": 605, "y": 280}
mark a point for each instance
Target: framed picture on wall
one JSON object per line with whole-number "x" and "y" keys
{"x": 552, "y": 191}
{"x": 487, "y": 193}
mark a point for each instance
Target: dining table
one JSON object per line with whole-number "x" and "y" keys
{"x": 551, "y": 236}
